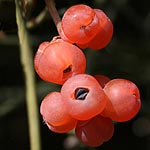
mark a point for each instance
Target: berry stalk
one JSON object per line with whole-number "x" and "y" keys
{"x": 27, "y": 63}
{"x": 54, "y": 13}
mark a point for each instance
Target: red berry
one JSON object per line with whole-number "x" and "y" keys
{"x": 59, "y": 61}
{"x": 95, "y": 131}
{"x": 86, "y": 27}
{"x": 102, "y": 80}
{"x": 53, "y": 110}
{"x": 83, "y": 97}
{"x": 39, "y": 53}
{"x": 105, "y": 32}
{"x": 124, "y": 100}
{"x": 63, "y": 36}
{"x": 62, "y": 128}
{"x": 79, "y": 24}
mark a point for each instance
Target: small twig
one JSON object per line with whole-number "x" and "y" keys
{"x": 54, "y": 13}
{"x": 37, "y": 20}
{"x": 27, "y": 63}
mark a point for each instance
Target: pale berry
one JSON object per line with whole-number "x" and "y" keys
{"x": 53, "y": 110}
{"x": 79, "y": 24}
{"x": 39, "y": 53}
{"x": 67, "y": 127}
{"x": 104, "y": 35}
{"x": 59, "y": 61}
{"x": 83, "y": 97}
{"x": 123, "y": 100}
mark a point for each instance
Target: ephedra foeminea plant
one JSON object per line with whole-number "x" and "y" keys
{"x": 89, "y": 104}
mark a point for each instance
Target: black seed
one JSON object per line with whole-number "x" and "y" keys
{"x": 81, "y": 93}
{"x": 68, "y": 69}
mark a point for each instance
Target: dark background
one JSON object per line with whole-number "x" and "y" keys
{"x": 127, "y": 56}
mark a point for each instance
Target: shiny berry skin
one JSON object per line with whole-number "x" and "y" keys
{"x": 53, "y": 111}
{"x": 67, "y": 127}
{"x": 123, "y": 100}
{"x": 102, "y": 79}
{"x": 59, "y": 61}
{"x": 39, "y": 53}
{"x": 104, "y": 35}
{"x": 86, "y": 27}
{"x": 83, "y": 97}
{"x": 79, "y": 24}
{"x": 96, "y": 131}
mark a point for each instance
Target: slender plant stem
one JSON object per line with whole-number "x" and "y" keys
{"x": 27, "y": 63}
{"x": 54, "y": 13}
{"x": 38, "y": 19}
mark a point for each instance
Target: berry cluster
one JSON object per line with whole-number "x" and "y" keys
{"x": 88, "y": 104}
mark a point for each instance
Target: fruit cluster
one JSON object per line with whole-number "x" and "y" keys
{"x": 88, "y": 104}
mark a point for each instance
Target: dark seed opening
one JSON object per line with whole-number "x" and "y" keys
{"x": 68, "y": 69}
{"x": 83, "y": 27}
{"x": 81, "y": 93}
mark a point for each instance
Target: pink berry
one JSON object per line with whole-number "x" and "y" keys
{"x": 123, "y": 100}
{"x": 83, "y": 97}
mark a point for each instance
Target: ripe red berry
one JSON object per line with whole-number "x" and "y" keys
{"x": 79, "y": 24}
{"x": 59, "y": 61}
{"x": 39, "y": 53}
{"x": 86, "y": 27}
{"x": 83, "y": 97}
{"x": 102, "y": 80}
{"x": 95, "y": 131}
{"x": 53, "y": 110}
{"x": 105, "y": 32}
{"x": 67, "y": 127}
{"x": 123, "y": 100}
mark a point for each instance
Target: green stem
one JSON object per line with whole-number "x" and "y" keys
{"x": 31, "y": 98}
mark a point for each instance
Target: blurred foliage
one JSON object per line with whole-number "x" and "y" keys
{"x": 127, "y": 56}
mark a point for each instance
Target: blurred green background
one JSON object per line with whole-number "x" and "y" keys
{"x": 127, "y": 56}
